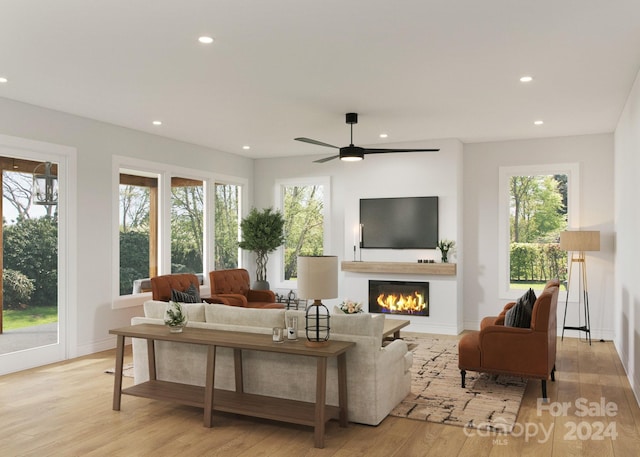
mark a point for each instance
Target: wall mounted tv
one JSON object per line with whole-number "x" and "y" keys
{"x": 399, "y": 223}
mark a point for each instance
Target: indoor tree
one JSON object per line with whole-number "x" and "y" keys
{"x": 262, "y": 233}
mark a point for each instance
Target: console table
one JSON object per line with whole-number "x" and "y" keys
{"x": 293, "y": 411}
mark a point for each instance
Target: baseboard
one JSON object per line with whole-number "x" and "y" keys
{"x": 95, "y": 346}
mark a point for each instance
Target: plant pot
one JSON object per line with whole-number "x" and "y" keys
{"x": 261, "y": 285}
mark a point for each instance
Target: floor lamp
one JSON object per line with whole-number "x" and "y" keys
{"x": 579, "y": 242}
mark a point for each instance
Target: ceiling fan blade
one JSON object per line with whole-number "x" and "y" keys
{"x": 326, "y": 159}
{"x": 319, "y": 143}
{"x": 382, "y": 151}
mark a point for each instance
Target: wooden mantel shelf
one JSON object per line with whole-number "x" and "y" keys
{"x": 448, "y": 269}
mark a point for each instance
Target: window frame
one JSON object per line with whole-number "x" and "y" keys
{"x": 572, "y": 170}
{"x": 165, "y": 172}
{"x": 277, "y": 259}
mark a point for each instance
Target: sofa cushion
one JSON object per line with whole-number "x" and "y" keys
{"x": 520, "y": 314}
{"x": 190, "y": 295}
{"x": 362, "y": 324}
{"x": 251, "y": 317}
{"x": 156, "y": 309}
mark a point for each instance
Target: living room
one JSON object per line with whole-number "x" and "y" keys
{"x": 464, "y": 175}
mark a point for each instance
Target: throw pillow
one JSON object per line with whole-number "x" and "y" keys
{"x": 520, "y": 314}
{"x": 190, "y": 295}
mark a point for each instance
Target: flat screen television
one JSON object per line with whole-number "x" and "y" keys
{"x": 399, "y": 223}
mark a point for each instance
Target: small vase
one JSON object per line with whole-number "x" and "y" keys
{"x": 445, "y": 257}
{"x": 175, "y": 328}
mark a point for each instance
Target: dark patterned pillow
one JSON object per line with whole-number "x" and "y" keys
{"x": 190, "y": 295}
{"x": 520, "y": 314}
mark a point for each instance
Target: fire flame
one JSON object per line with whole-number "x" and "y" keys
{"x": 400, "y": 303}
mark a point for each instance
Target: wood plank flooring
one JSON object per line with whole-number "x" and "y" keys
{"x": 65, "y": 410}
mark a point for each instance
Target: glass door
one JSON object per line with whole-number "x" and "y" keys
{"x": 31, "y": 318}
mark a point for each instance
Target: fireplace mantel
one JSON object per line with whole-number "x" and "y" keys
{"x": 447, "y": 269}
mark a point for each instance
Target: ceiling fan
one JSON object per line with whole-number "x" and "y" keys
{"x": 353, "y": 153}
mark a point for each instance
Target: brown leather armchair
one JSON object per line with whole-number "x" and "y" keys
{"x": 527, "y": 352}
{"x": 233, "y": 286}
{"x": 161, "y": 286}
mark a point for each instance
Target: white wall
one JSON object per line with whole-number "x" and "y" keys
{"x": 627, "y": 218}
{"x": 96, "y": 142}
{"x": 594, "y": 153}
{"x": 393, "y": 175}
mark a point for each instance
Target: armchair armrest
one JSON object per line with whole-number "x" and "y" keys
{"x": 519, "y": 351}
{"x": 261, "y": 295}
{"x": 232, "y": 299}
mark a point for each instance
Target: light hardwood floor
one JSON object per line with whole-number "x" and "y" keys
{"x": 65, "y": 410}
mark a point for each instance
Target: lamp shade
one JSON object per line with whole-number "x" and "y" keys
{"x": 582, "y": 240}
{"x": 317, "y": 277}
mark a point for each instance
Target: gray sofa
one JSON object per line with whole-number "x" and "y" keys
{"x": 378, "y": 378}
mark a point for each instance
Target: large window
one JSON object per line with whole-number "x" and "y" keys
{"x": 138, "y": 225}
{"x": 172, "y": 221}
{"x": 537, "y": 205}
{"x": 304, "y": 206}
{"x": 227, "y": 223}
{"x": 187, "y": 225}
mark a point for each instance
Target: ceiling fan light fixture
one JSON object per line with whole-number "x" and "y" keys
{"x": 351, "y": 158}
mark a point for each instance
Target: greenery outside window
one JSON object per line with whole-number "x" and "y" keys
{"x": 304, "y": 205}
{"x": 187, "y": 225}
{"x": 227, "y": 226}
{"x": 537, "y": 203}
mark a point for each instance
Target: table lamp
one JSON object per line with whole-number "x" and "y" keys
{"x": 317, "y": 280}
{"x": 578, "y": 242}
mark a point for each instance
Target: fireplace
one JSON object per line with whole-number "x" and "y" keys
{"x": 399, "y": 297}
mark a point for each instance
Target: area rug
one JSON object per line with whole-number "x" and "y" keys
{"x": 488, "y": 402}
{"x": 127, "y": 370}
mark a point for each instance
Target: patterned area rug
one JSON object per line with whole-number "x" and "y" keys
{"x": 488, "y": 401}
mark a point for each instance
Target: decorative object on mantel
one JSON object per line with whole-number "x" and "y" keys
{"x": 317, "y": 279}
{"x": 350, "y": 307}
{"x": 175, "y": 317}
{"x": 445, "y": 246}
{"x": 262, "y": 233}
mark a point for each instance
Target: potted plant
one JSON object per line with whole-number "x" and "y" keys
{"x": 175, "y": 317}
{"x": 262, "y": 233}
{"x": 445, "y": 246}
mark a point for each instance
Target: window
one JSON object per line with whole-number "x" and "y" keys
{"x": 537, "y": 204}
{"x": 171, "y": 220}
{"x": 138, "y": 224}
{"x": 227, "y": 227}
{"x": 304, "y": 207}
{"x": 187, "y": 225}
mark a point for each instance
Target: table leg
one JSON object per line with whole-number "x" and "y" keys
{"x": 209, "y": 385}
{"x": 321, "y": 397}
{"x": 117, "y": 382}
{"x": 342, "y": 390}
{"x": 151, "y": 357}
{"x": 237, "y": 361}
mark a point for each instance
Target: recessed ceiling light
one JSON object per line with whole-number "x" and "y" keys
{"x": 3, "y": 80}
{"x": 157, "y": 122}
{"x": 526, "y": 79}
{"x": 205, "y": 40}
{"x": 384, "y": 135}
{"x": 245, "y": 147}
{"x": 538, "y": 122}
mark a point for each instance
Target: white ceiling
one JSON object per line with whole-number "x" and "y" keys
{"x": 279, "y": 69}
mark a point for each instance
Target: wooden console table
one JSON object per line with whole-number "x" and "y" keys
{"x": 293, "y": 411}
